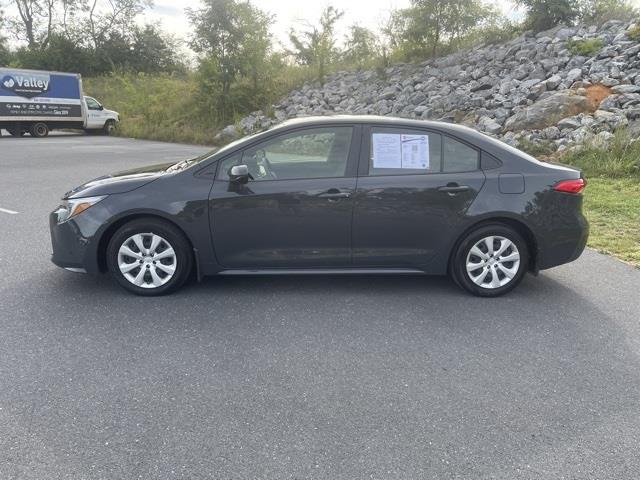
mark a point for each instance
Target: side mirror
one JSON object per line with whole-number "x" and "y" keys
{"x": 100, "y": 107}
{"x": 239, "y": 174}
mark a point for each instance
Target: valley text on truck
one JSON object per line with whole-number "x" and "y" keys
{"x": 36, "y": 102}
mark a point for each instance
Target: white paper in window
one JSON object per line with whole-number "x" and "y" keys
{"x": 387, "y": 151}
{"x": 415, "y": 152}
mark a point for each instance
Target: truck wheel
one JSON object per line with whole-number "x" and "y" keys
{"x": 39, "y": 130}
{"x": 109, "y": 127}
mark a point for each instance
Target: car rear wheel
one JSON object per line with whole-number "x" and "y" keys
{"x": 149, "y": 257}
{"x": 490, "y": 261}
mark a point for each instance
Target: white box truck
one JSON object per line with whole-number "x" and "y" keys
{"x": 37, "y": 102}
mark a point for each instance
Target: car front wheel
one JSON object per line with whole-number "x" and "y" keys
{"x": 149, "y": 257}
{"x": 490, "y": 261}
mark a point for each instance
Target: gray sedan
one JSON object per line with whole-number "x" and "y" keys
{"x": 330, "y": 195}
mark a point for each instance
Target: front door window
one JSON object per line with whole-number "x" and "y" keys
{"x": 306, "y": 154}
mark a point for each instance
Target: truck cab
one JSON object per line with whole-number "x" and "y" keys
{"x": 98, "y": 117}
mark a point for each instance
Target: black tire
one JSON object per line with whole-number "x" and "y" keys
{"x": 458, "y": 267}
{"x": 39, "y": 130}
{"x": 175, "y": 238}
{"x": 109, "y": 128}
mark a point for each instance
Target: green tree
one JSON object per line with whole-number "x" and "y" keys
{"x": 600, "y": 11}
{"x": 152, "y": 51}
{"x": 546, "y": 14}
{"x": 361, "y": 46}
{"x": 5, "y": 55}
{"x": 61, "y": 54}
{"x": 316, "y": 45}
{"x": 234, "y": 43}
{"x": 101, "y": 19}
{"x": 429, "y": 24}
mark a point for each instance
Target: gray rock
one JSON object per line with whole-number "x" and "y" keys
{"x": 228, "y": 133}
{"x": 546, "y": 112}
{"x": 550, "y": 133}
{"x": 612, "y": 120}
{"x": 489, "y": 125}
{"x": 388, "y": 93}
{"x": 553, "y": 82}
{"x": 517, "y": 90}
{"x": 610, "y": 103}
{"x": 602, "y": 139}
{"x": 626, "y": 89}
{"x": 573, "y": 75}
{"x": 570, "y": 122}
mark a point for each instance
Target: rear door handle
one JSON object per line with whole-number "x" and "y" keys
{"x": 454, "y": 188}
{"x": 334, "y": 194}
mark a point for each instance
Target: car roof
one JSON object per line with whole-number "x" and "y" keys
{"x": 372, "y": 119}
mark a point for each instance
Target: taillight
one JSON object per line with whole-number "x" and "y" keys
{"x": 571, "y": 186}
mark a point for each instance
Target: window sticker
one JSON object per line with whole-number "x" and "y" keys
{"x": 387, "y": 151}
{"x": 415, "y": 152}
{"x": 394, "y": 150}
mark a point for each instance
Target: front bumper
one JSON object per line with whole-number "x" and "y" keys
{"x": 74, "y": 242}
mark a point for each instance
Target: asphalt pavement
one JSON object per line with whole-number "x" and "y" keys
{"x": 300, "y": 377}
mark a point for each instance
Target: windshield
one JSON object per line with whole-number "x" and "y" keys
{"x": 184, "y": 164}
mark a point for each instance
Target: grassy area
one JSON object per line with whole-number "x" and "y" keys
{"x": 613, "y": 209}
{"x": 158, "y": 107}
{"x": 171, "y": 108}
{"x": 612, "y": 197}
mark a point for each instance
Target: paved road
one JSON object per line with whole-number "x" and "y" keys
{"x": 326, "y": 377}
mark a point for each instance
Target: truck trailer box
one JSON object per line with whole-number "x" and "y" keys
{"x": 28, "y": 95}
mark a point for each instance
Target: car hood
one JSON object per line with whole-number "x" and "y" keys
{"x": 120, "y": 182}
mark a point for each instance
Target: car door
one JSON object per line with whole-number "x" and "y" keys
{"x": 413, "y": 190}
{"x": 95, "y": 115}
{"x": 295, "y": 210}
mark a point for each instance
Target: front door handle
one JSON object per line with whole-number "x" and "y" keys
{"x": 453, "y": 188}
{"x": 334, "y": 194}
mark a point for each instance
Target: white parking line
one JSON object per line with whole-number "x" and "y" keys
{"x": 10, "y": 212}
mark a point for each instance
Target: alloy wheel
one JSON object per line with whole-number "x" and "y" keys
{"x": 493, "y": 262}
{"x": 147, "y": 260}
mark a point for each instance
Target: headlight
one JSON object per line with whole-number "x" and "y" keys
{"x": 73, "y": 207}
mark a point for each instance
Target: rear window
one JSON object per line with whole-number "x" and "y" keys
{"x": 459, "y": 157}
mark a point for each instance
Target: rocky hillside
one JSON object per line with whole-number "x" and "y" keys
{"x": 535, "y": 89}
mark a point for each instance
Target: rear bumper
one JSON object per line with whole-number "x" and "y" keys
{"x": 563, "y": 244}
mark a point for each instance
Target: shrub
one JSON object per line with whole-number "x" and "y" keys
{"x": 597, "y": 12}
{"x": 540, "y": 150}
{"x": 634, "y": 33}
{"x": 585, "y": 48}
{"x": 620, "y": 159}
{"x": 156, "y": 107}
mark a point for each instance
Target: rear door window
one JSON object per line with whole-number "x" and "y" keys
{"x": 398, "y": 151}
